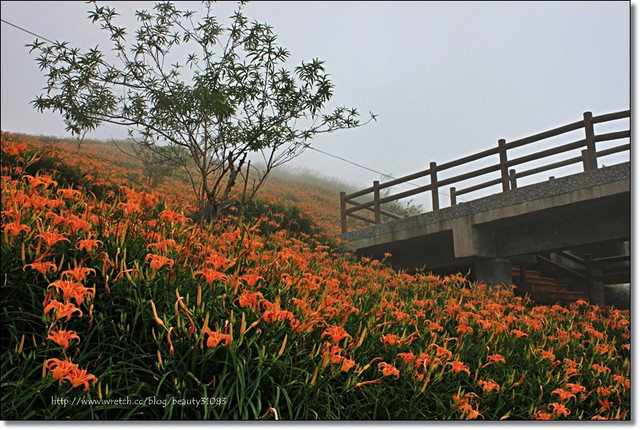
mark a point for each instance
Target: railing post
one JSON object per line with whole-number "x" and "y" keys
{"x": 512, "y": 179}
{"x": 504, "y": 169}
{"x": 435, "y": 202}
{"x": 590, "y": 161}
{"x": 452, "y": 193}
{"x": 343, "y": 212}
{"x": 376, "y": 201}
{"x": 588, "y": 274}
{"x": 585, "y": 162}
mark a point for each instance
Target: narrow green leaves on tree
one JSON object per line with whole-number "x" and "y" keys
{"x": 230, "y": 99}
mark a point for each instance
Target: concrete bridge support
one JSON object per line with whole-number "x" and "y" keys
{"x": 491, "y": 234}
{"x": 494, "y": 271}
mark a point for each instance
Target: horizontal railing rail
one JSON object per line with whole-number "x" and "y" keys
{"x": 609, "y": 270}
{"x": 510, "y": 170}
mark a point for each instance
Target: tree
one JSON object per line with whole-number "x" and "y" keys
{"x": 155, "y": 165}
{"x": 230, "y": 100}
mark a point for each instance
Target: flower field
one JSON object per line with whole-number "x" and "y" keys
{"x": 115, "y": 306}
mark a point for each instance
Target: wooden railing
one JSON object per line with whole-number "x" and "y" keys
{"x": 594, "y": 269}
{"x": 507, "y": 176}
{"x": 614, "y": 269}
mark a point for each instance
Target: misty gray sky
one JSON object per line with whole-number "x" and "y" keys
{"x": 447, "y": 78}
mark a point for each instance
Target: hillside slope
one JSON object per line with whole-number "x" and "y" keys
{"x": 314, "y": 194}
{"x": 116, "y": 306}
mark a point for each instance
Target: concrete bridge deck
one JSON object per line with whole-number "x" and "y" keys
{"x": 489, "y": 234}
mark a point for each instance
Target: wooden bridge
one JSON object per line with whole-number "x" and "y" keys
{"x": 563, "y": 218}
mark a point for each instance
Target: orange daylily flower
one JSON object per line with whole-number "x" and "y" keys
{"x": 465, "y": 407}
{"x": 88, "y": 244}
{"x": 388, "y": 370}
{"x": 15, "y": 149}
{"x": 79, "y": 377}
{"x": 170, "y": 216}
{"x": 600, "y": 369}
{"x": 560, "y": 409}
{"x": 251, "y": 279}
{"x": 231, "y": 237}
{"x": 423, "y": 360}
{"x": 75, "y": 290}
{"x": 59, "y": 368}
{"x": 62, "y": 309}
{"x": 34, "y": 181}
{"x": 347, "y": 364}
{"x": 287, "y": 279}
{"x": 57, "y": 219}
{"x": 605, "y": 404}
{"x": 571, "y": 371}
{"x": 459, "y": 366}
{"x": 463, "y": 328}
{"x": 65, "y": 369}
{"x": 496, "y": 358}
{"x": 163, "y": 245}
{"x": 389, "y": 338}
{"x": 15, "y": 228}
{"x": 63, "y": 337}
{"x": 442, "y": 351}
{"x": 76, "y": 223}
{"x": 337, "y": 333}
{"x": 69, "y": 193}
{"x": 419, "y": 314}
{"x": 336, "y": 359}
{"x": 219, "y": 261}
{"x": 621, "y": 380}
{"x": 275, "y": 314}
{"x": 519, "y": 333}
{"x": 488, "y": 386}
{"x": 546, "y": 354}
{"x": 400, "y": 316}
{"x": 251, "y": 300}
{"x": 42, "y": 266}
{"x": 604, "y": 348}
{"x": 79, "y": 273}
{"x": 407, "y": 357}
{"x": 563, "y": 394}
{"x": 499, "y": 327}
{"x": 433, "y": 326}
{"x": 544, "y": 416}
{"x": 576, "y": 388}
{"x": 472, "y": 414}
{"x": 420, "y": 303}
{"x": 52, "y": 238}
{"x": 215, "y": 338}
{"x": 130, "y": 208}
{"x": 158, "y": 261}
{"x": 210, "y": 275}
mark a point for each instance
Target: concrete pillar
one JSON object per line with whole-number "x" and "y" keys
{"x": 598, "y": 293}
{"x": 494, "y": 271}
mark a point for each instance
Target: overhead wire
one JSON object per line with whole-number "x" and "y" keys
{"x": 26, "y": 31}
{"x": 386, "y": 175}
{"x": 371, "y": 170}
